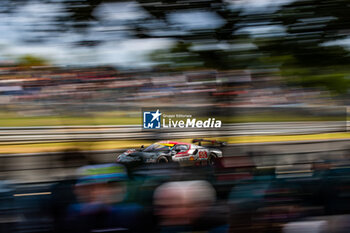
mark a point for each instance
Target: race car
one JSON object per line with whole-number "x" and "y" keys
{"x": 172, "y": 151}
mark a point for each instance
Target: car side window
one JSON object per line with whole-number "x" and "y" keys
{"x": 181, "y": 148}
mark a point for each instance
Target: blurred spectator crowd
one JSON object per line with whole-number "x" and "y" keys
{"x": 107, "y": 86}
{"x": 234, "y": 195}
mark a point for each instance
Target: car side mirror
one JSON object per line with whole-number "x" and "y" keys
{"x": 173, "y": 152}
{"x": 142, "y": 147}
{"x": 195, "y": 151}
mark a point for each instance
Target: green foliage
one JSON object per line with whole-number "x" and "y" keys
{"x": 334, "y": 82}
{"x": 31, "y": 60}
{"x": 301, "y": 51}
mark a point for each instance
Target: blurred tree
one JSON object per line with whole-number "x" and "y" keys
{"x": 31, "y": 60}
{"x": 312, "y": 28}
{"x": 80, "y": 14}
{"x": 178, "y": 57}
{"x": 184, "y": 56}
{"x": 211, "y": 34}
{"x": 303, "y": 51}
{"x": 203, "y": 46}
{"x": 309, "y": 25}
{"x": 217, "y": 29}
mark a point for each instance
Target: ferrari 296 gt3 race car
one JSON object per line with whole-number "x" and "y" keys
{"x": 172, "y": 151}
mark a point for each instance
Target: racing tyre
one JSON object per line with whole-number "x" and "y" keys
{"x": 162, "y": 159}
{"x": 211, "y": 159}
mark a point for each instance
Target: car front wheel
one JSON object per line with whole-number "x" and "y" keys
{"x": 162, "y": 159}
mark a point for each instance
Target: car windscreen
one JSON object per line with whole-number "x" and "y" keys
{"x": 158, "y": 147}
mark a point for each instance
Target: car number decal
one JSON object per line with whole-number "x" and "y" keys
{"x": 203, "y": 155}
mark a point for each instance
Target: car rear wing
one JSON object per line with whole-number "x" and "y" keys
{"x": 213, "y": 142}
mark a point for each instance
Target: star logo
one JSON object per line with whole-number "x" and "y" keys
{"x": 151, "y": 120}
{"x": 156, "y": 115}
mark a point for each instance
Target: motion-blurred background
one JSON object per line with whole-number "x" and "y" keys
{"x": 75, "y": 74}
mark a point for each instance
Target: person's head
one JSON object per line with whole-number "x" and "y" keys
{"x": 101, "y": 184}
{"x": 180, "y": 203}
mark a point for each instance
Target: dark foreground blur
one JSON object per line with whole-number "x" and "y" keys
{"x": 233, "y": 196}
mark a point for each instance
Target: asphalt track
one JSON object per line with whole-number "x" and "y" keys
{"x": 49, "y": 166}
{"x": 36, "y": 167}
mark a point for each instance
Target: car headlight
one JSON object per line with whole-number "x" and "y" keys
{"x": 119, "y": 157}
